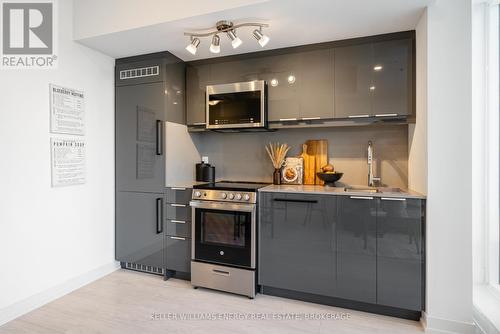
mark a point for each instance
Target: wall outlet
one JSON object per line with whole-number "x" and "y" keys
{"x": 204, "y": 159}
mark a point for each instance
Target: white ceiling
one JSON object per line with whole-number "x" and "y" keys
{"x": 292, "y": 22}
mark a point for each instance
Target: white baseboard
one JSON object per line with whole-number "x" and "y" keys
{"x": 434, "y": 325}
{"x": 29, "y": 304}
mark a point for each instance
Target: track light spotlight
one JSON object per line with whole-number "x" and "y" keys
{"x": 235, "y": 40}
{"x": 260, "y": 37}
{"x": 193, "y": 46}
{"x": 215, "y": 46}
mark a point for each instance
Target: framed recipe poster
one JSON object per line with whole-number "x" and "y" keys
{"x": 67, "y": 161}
{"x": 67, "y": 110}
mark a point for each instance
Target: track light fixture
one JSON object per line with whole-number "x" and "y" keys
{"x": 193, "y": 46}
{"x": 230, "y": 29}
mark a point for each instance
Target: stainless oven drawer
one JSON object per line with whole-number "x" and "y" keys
{"x": 178, "y": 211}
{"x": 235, "y": 280}
{"x": 178, "y": 228}
{"x": 178, "y": 253}
{"x": 179, "y": 195}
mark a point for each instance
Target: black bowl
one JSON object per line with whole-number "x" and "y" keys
{"x": 330, "y": 178}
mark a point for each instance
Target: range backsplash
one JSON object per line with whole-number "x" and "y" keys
{"x": 242, "y": 156}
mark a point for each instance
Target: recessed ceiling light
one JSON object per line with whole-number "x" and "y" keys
{"x": 372, "y": 87}
{"x": 215, "y": 46}
{"x": 274, "y": 82}
{"x": 291, "y": 79}
{"x": 193, "y": 46}
{"x": 378, "y": 68}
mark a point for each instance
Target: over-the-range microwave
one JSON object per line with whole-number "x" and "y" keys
{"x": 237, "y": 105}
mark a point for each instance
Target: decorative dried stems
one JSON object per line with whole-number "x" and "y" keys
{"x": 277, "y": 153}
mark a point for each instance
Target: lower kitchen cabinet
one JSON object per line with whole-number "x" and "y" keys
{"x": 400, "y": 253}
{"x": 296, "y": 250}
{"x": 363, "y": 252}
{"x": 178, "y": 253}
{"x": 357, "y": 249}
{"x": 139, "y": 228}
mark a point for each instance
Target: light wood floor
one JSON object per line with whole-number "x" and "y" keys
{"x": 124, "y": 301}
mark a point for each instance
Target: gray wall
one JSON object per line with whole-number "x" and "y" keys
{"x": 242, "y": 156}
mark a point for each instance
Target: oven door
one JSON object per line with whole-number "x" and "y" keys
{"x": 237, "y": 105}
{"x": 224, "y": 233}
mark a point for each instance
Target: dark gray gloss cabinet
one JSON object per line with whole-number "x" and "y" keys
{"x": 139, "y": 133}
{"x": 353, "y": 79}
{"x": 175, "y": 92}
{"x": 178, "y": 229}
{"x": 374, "y": 79}
{"x": 357, "y": 248}
{"x": 400, "y": 253}
{"x": 197, "y": 78}
{"x": 178, "y": 253}
{"x": 296, "y": 243}
{"x": 139, "y": 228}
{"x": 393, "y": 82}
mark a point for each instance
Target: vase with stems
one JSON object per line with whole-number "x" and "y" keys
{"x": 277, "y": 153}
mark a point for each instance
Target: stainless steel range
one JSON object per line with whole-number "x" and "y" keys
{"x": 224, "y": 236}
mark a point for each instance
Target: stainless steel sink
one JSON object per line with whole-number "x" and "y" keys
{"x": 361, "y": 189}
{"x": 373, "y": 190}
{"x": 390, "y": 190}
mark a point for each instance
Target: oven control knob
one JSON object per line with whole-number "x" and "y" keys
{"x": 197, "y": 194}
{"x": 246, "y": 197}
{"x": 238, "y": 197}
{"x": 231, "y": 196}
{"x": 223, "y": 195}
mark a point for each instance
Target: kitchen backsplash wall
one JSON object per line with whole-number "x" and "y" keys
{"x": 242, "y": 156}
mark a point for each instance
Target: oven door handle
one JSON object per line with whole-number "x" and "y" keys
{"x": 226, "y": 206}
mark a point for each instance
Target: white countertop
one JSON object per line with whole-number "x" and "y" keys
{"x": 322, "y": 190}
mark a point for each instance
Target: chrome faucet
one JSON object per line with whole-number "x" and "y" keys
{"x": 371, "y": 179}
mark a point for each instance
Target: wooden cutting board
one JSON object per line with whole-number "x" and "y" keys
{"x": 315, "y": 154}
{"x": 309, "y": 165}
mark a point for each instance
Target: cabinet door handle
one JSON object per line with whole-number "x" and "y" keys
{"x": 386, "y": 115}
{"x": 288, "y": 119}
{"x": 361, "y": 197}
{"x": 159, "y": 137}
{"x": 310, "y": 118}
{"x": 178, "y": 221}
{"x": 393, "y": 199}
{"x": 358, "y": 116}
{"x": 159, "y": 215}
{"x": 220, "y": 272}
{"x": 178, "y": 188}
{"x": 178, "y": 238}
{"x": 178, "y": 205}
{"x": 199, "y": 123}
{"x": 296, "y": 200}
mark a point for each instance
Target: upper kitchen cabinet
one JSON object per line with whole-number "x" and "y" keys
{"x": 374, "y": 79}
{"x": 175, "y": 95}
{"x": 139, "y": 133}
{"x": 392, "y": 93}
{"x": 197, "y": 79}
{"x": 283, "y": 76}
{"x": 316, "y": 85}
{"x": 353, "y": 80}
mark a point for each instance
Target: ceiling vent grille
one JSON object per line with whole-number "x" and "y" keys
{"x": 142, "y": 72}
